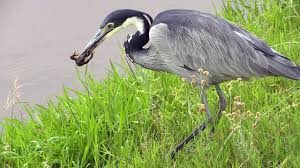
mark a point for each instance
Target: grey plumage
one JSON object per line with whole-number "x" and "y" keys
{"x": 182, "y": 41}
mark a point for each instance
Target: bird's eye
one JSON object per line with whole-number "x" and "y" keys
{"x": 110, "y": 25}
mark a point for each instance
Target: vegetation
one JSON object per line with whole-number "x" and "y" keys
{"x": 125, "y": 121}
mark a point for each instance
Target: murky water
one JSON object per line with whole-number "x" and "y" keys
{"x": 37, "y": 37}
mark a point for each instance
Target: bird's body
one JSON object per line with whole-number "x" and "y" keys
{"x": 184, "y": 41}
{"x": 196, "y": 46}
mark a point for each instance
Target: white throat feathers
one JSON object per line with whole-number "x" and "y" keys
{"x": 137, "y": 22}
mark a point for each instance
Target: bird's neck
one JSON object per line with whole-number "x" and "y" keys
{"x": 141, "y": 37}
{"x": 134, "y": 45}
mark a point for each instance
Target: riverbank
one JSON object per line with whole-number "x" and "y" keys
{"x": 135, "y": 122}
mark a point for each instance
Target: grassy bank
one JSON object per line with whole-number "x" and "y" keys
{"x": 127, "y": 122}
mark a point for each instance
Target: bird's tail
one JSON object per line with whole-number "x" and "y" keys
{"x": 279, "y": 69}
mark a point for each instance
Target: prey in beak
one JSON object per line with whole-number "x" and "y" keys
{"x": 88, "y": 51}
{"x": 82, "y": 59}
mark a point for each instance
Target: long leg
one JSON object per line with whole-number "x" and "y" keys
{"x": 204, "y": 101}
{"x": 222, "y": 106}
{"x": 222, "y": 103}
{"x": 198, "y": 130}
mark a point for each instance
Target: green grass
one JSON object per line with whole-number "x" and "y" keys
{"x": 127, "y": 122}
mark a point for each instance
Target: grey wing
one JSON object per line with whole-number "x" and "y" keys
{"x": 194, "y": 40}
{"x": 261, "y": 46}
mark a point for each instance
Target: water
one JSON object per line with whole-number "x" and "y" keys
{"x": 37, "y": 37}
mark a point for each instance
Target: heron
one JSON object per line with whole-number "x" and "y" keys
{"x": 199, "y": 47}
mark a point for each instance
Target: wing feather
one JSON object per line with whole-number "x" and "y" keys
{"x": 198, "y": 40}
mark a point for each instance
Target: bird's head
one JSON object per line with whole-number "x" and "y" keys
{"x": 113, "y": 23}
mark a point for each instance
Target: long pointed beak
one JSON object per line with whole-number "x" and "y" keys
{"x": 88, "y": 51}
